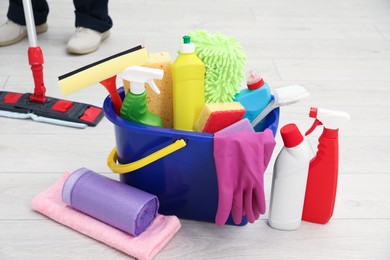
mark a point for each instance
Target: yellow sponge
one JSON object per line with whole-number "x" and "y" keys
{"x": 216, "y": 116}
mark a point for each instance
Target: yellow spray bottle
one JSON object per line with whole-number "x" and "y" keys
{"x": 188, "y": 73}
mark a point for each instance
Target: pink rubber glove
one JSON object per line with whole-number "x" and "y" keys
{"x": 241, "y": 160}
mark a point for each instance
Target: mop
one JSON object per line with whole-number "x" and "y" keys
{"x": 37, "y": 106}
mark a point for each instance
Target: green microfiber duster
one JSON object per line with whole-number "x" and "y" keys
{"x": 225, "y": 61}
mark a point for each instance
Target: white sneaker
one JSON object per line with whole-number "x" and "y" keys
{"x": 11, "y": 32}
{"x": 86, "y": 40}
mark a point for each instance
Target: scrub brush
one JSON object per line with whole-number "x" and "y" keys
{"x": 224, "y": 60}
{"x": 282, "y": 96}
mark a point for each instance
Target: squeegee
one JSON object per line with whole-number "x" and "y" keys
{"x": 37, "y": 106}
{"x": 104, "y": 72}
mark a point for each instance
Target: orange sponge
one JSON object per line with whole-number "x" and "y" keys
{"x": 216, "y": 116}
{"x": 162, "y": 105}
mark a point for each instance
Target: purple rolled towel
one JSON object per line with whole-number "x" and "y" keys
{"x": 117, "y": 204}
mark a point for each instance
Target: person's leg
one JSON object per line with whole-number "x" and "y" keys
{"x": 93, "y": 24}
{"x": 16, "y": 13}
{"x": 92, "y": 14}
{"x": 14, "y": 29}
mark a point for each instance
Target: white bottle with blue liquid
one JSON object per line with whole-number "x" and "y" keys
{"x": 254, "y": 98}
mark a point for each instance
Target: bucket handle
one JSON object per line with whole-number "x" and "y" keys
{"x": 129, "y": 167}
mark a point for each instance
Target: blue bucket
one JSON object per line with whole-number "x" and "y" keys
{"x": 185, "y": 181}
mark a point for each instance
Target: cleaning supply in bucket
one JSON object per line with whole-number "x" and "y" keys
{"x": 117, "y": 204}
{"x": 135, "y": 108}
{"x": 188, "y": 73}
{"x": 103, "y": 71}
{"x": 321, "y": 185}
{"x": 162, "y": 105}
{"x": 225, "y": 62}
{"x": 289, "y": 180}
{"x": 216, "y": 116}
{"x": 241, "y": 160}
{"x": 254, "y": 98}
{"x": 145, "y": 246}
{"x": 240, "y": 126}
{"x": 281, "y": 97}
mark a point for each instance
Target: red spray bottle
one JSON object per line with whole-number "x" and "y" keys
{"x": 323, "y": 170}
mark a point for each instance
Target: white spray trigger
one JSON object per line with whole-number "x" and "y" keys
{"x": 330, "y": 119}
{"x": 153, "y": 86}
{"x": 138, "y": 76}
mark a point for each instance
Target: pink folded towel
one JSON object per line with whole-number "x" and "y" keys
{"x": 145, "y": 246}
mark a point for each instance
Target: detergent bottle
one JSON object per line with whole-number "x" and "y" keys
{"x": 254, "y": 98}
{"x": 289, "y": 180}
{"x": 188, "y": 73}
{"x": 323, "y": 169}
{"x": 135, "y": 108}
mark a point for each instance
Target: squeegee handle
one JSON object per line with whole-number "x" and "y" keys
{"x": 110, "y": 85}
{"x": 30, "y": 23}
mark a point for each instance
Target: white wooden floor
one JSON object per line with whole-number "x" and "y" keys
{"x": 338, "y": 49}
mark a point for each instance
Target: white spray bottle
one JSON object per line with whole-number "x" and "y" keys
{"x": 134, "y": 108}
{"x": 289, "y": 180}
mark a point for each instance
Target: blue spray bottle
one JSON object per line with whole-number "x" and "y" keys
{"x": 254, "y": 98}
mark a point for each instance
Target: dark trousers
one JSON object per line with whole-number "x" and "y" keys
{"x": 91, "y": 14}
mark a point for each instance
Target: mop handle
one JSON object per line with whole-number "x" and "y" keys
{"x": 35, "y": 56}
{"x": 30, "y": 23}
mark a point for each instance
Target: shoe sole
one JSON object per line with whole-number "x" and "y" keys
{"x": 92, "y": 49}
{"x": 14, "y": 40}
{"x": 39, "y": 29}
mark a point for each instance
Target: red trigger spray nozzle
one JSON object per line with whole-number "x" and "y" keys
{"x": 313, "y": 126}
{"x": 313, "y": 114}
